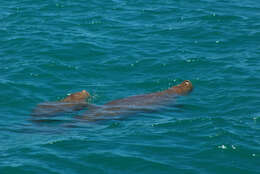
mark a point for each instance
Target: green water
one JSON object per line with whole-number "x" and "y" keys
{"x": 115, "y": 49}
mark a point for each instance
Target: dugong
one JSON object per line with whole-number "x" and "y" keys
{"x": 132, "y": 104}
{"x": 73, "y": 102}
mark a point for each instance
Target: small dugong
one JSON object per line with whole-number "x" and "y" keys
{"x": 73, "y": 102}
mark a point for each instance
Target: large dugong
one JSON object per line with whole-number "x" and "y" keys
{"x": 136, "y": 103}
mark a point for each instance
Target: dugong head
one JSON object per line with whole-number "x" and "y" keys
{"x": 183, "y": 88}
{"x": 77, "y": 97}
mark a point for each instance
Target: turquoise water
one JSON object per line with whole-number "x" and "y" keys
{"x": 115, "y": 49}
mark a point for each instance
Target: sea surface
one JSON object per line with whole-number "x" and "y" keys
{"x": 118, "y": 48}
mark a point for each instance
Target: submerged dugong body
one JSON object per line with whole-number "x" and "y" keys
{"x": 73, "y": 102}
{"x": 145, "y": 102}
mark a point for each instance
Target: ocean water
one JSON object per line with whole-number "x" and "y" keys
{"x": 115, "y": 49}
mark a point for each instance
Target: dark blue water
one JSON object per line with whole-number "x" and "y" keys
{"x": 115, "y": 49}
